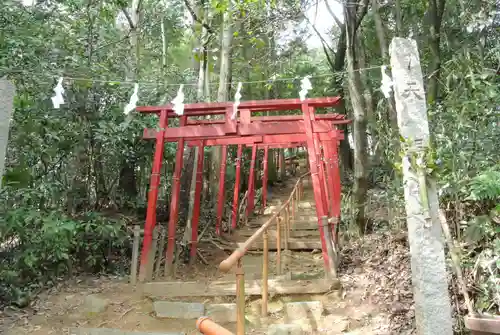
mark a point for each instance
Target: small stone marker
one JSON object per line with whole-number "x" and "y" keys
{"x": 7, "y": 93}
{"x": 178, "y": 310}
{"x": 94, "y": 304}
{"x": 430, "y": 285}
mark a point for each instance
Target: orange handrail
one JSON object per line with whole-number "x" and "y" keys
{"x": 231, "y": 261}
{"x": 208, "y": 327}
{"x": 236, "y": 257}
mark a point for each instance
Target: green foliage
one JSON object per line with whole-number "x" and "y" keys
{"x": 39, "y": 247}
{"x": 485, "y": 186}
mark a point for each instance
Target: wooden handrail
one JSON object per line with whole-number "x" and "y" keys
{"x": 231, "y": 261}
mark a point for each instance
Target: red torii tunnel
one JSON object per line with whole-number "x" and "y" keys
{"x": 317, "y": 132}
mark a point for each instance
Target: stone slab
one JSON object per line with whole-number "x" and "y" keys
{"x": 272, "y": 233}
{"x": 304, "y": 312}
{"x": 178, "y": 310}
{"x": 293, "y": 244}
{"x": 222, "y": 313}
{"x": 284, "y": 329}
{"x": 228, "y": 288}
{"x": 109, "y": 331}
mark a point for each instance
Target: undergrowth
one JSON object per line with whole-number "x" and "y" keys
{"x": 39, "y": 247}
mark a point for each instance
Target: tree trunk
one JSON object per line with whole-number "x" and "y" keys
{"x": 384, "y": 51}
{"x": 367, "y": 95}
{"x": 223, "y": 91}
{"x": 128, "y": 182}
{"x": 353, "y": 20}
{"x": 436, "y": 9}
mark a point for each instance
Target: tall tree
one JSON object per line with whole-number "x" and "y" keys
{"x": 353, "y": 15}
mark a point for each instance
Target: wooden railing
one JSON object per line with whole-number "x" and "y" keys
{"x": 283, "y": 218}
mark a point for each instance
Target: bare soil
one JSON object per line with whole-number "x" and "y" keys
{"x": 376, "y": 297}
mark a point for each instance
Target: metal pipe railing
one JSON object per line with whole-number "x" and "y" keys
{"x": 283, "y": 219}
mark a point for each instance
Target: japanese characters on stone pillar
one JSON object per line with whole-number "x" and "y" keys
{"x": 430, "y": 286}
{"x": 7, "y": 92}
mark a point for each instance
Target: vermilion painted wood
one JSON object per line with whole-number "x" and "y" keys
{"x": 262, "y": 139}
{"x": 290, "y": 127}
{"x": 337, "y": 194}
{"x": 196, "y": 204}
{"x": 251, "y": 183}
{"x": 313, "y": 167}
{"x": 279, "y": 118}
{"x": 232, "y": 125}
{"x": 276, "y": 131}
{"x": 225, "y": 130}
{"x": 327, "y": 146}
{"x": 321, "y": 172}
{"x": 220, "y": 199}
{"x": 174, "y": 204}
{"x": 264, "y": 178}
{"x": 277, "y": 145}
{"x": 214, "y": 108}
{"x": 153, "y": 195}
{"x": 236, "y": 193}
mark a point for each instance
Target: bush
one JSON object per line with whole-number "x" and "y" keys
{"x": 39, "y": 247}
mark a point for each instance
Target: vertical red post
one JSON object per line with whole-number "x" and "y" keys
{"x": 337, "y": 191}
{"x": 251, "y": 182}
{"x": 220, "y": 200}
{"x": 174, "y": 203}
{"x": 153, "y": 194}
{"x": 264, "y": 178}
{"x": 236, "y": 193}
{"x": 327, "y": 145}
{"x": 316, "y": 181}
{"x": 321, "y": 173}
{"x": 196, "y": 207}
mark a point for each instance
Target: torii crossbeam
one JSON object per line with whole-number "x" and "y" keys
{"x": 317, "y": 132}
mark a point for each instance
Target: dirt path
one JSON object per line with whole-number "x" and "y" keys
{"x": 376, "y": 296}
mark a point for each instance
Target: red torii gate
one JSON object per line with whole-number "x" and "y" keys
{"x": 318, "y": 132}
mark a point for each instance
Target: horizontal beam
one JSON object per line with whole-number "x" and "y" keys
{"x": 281, "y": 141}
{"x": 227, "y": 130}
{"x": 278, "y": 118}
{"x": 217, "y": 108}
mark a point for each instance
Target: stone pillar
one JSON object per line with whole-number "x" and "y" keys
{"x": 430, "y": 286}
{"x": 7, "y": 93}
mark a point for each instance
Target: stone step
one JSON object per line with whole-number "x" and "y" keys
{"x": 228, "y": 288}
{"x": 220, "y": 313}
{"x": 285, "y": 329}
{"x": 300, "y": 223}
{"x": 109, "y": 331}
{"x": 307, "y": 314}
{"x": 272, "y": 233}
{"x": 293, "y": 244}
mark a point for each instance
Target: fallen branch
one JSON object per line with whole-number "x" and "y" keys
{"x": 455, "y": 260}
{"x": 204, "y": 261}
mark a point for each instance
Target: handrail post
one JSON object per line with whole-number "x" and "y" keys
{"x": 278, "y": 244}
{"x": 265, "y": 274}
{"x": 135, "y": 255}
{"x": 301, "y": 188}
{"x": 152, "y": 255}
{"x": 240, "y": 298}
{"x": 293, "y": 204}
{"x": 287, "y": 227}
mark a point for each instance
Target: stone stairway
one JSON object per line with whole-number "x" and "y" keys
{"x": 297, "y": 293}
